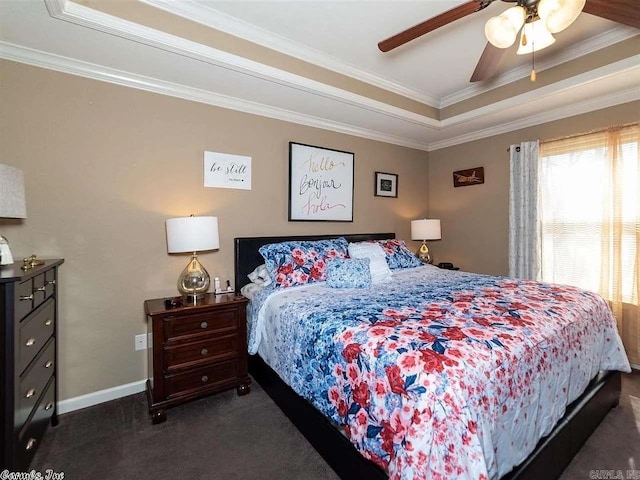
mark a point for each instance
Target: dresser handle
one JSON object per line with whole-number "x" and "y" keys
{"x": 48, "y": 323}
{"x": 49, "y": 364}
{"x": 204, "y": 325}
{"x": 51, "y": 282}
{"x": 30, "y": 342}
{"x": 204, "y": 379}
{"x": 204, "y": 351}
{"x": 30, "y": 444}
{"x": 48, "y": 406}
{"x": 41, "y": 289}
{"x": 30, "y": 393}
{"x": 26, "y": 298}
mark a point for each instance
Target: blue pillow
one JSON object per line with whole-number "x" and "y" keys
{"x": 348, "y": 273}
{"x": 301, "y": 262}
{"x": 398, "y": 255}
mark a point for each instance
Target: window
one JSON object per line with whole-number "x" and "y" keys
{"x": 590, "y": 212}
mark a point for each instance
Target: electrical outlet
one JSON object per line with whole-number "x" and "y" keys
{"x": 141, "y": 342}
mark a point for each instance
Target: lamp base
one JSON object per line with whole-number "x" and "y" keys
{"x": 194, "y": 281}
{"x": 423, "y": 253}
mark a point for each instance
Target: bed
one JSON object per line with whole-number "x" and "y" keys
{"x": 546, "y": 459}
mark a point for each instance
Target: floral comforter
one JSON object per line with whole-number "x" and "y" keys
{"x": 438, "y": 374}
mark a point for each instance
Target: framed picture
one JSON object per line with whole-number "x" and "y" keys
{"x": 320, "y": 184}
{"x": 386, "y": 185}
{"x": 471, "y": 176}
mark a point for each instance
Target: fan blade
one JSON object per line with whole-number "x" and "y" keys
{"x": 621, "y": 11}
{"x": 429, "y": 25}
{"x": 488, "y": 64}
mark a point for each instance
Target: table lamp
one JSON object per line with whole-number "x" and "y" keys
{"x": 12, "y": 204}
{"x": 192, "y": 234}
{"x": 425, "y": 229}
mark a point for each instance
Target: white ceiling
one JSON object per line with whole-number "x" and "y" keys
{"x": 338, "y": 35}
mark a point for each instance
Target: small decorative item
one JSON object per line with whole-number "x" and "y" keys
{"x": 223, "y": 170}
{"x": 385, "y": 185}
{"x": 192, "y": 234}
{"x": 471, "y": 176}
{"x": 425, "y": 229}
{"x": 12, "y": 204}
{"x": 320, "y": 184}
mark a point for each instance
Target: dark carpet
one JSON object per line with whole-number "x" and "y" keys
{"x": 230, "y": 437}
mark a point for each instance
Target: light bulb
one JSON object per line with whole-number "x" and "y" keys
{"x": 559, "y": 14}
{"x": 537, "y": 37}
{"x": 502, "y": 30}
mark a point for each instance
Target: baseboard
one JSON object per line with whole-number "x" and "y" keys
{"x": 90, "y": 399}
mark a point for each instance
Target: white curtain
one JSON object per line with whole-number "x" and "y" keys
{"x": 524, "y": 230}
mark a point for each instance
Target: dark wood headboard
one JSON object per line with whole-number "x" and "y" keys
{"x": 247, "y": 257}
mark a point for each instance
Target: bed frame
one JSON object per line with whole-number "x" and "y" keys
{"x": 550, "y": 457}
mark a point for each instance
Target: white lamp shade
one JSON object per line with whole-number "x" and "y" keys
{"x": 559, "y": 14}
{"x": 425, "y": 229}
{"x": 502, "y": 30}
{"x": 537, "y": 37}
{"x": 192, "y": 234}
{"x": 12, "y": 203}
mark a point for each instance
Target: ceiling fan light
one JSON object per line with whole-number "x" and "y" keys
{"x": 559, "y": 14}
{"x": 500, "y": 32}
{"x": 537, "y": 37}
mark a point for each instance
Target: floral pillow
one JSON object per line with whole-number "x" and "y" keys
{"x": 398, "y": 255}
{"x": 348, "y": 273}
{"x": 301, "y": 262}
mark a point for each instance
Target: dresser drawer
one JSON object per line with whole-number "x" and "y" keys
{"x": 33, "y": 382}
{"x": 23, "y": 302}
{"x": 189, "y": 355}
{"x": 35, "y": 331}
{"x": 31, "y": 434}
{"x": 202, "y": 379}
{"x": 184, "y": 327}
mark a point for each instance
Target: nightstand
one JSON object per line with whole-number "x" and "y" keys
{"x": 197, "y": 350}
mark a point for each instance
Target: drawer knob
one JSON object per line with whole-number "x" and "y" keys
{"x": 204, "y": 351}
{"x": 30, "y": 444}
{"x": 26, "y": 298}
{"x": 30, "y": 342}
{"x": 51, "y": 282}
{"x": 48, "y": 406}
{"x": 49, "y": 364}
{"x": 48, "y": 323}
{"x": 41, "y": 289}
{"x": 30, "y": 393}
{"x": 205, "y": 379}
{"x": 204, "y": 325}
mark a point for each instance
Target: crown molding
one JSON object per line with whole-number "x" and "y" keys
{"x": 559, "y": 113}
{"x": 606, "y": 39}
{"x": 210, "y": 17}
{"x": 93, "y": 71}
{"x": 87, "y": 17}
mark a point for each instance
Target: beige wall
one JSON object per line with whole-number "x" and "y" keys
{"x": 104, "y": 167}
{"x": 475, "y": 219}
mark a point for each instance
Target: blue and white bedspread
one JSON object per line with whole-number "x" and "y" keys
{"x": 438, "y": 374}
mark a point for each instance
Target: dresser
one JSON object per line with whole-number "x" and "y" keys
{"x": 197, "y": 350}
{"x": 28, "y": 366}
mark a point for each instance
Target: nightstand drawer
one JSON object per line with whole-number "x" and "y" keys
{"x": 32, "y": 433}
{"x": 34, "y": 381}
{"x": 35, "y": 331}
{"x": 23, "y": 302}
{"x": 185, "y": 326}
{"x": 202, "y": 378}
{"x": 197, "y": 353}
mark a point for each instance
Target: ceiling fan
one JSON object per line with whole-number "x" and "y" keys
{"x": 537, "y": 19}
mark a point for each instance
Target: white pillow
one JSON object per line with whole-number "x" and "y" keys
{"x": 378, "y": 267}
{"x": 260, "y": 276}
{"x": 250, "y": 289}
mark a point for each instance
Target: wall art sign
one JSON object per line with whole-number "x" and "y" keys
{"x": 471, "y": 176}
{"x": 223, "y": 170}
{"x": 320, "y": 184}
{"x": 385, "y": 185}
